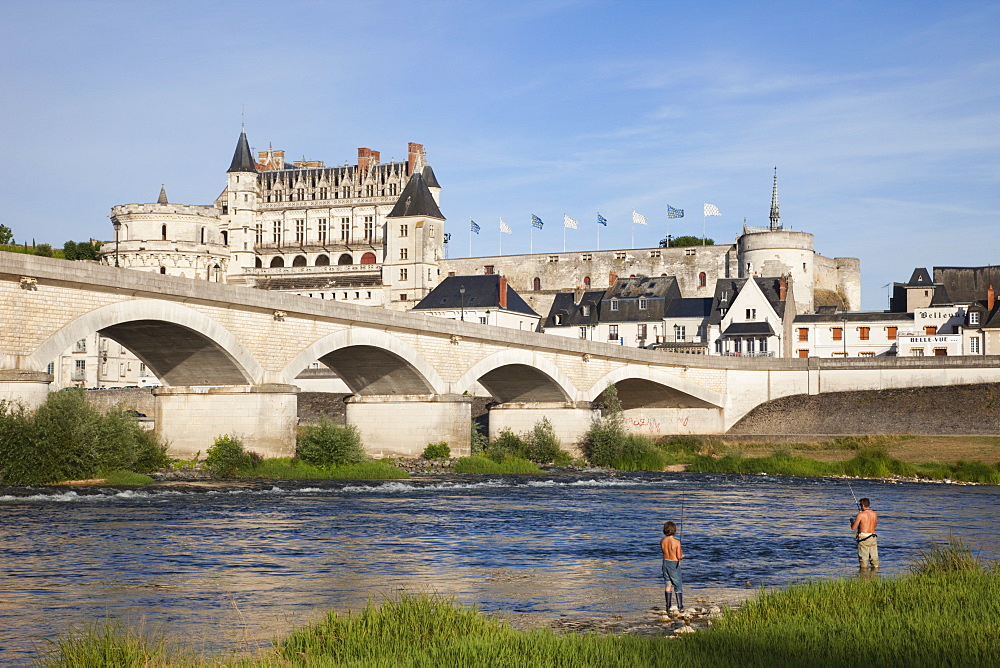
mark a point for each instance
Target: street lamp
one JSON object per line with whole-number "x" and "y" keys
{"x": 461, "y": 291}
{"x": 118, "y": 226}
{"x": 216, "y": 268}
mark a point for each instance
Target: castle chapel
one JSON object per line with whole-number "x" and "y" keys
{"x": 373, "y": 233}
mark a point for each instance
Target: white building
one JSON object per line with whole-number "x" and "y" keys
{"x": 487, "y": 300}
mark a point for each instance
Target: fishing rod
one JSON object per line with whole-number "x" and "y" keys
{"x": 680, "y": 531}
{"x": 852, "y": 492}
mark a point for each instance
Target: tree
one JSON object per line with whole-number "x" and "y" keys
{"x": 6, "y": 235}
{"x": 83, "y": 250}
{"x": 683, "y": 242}
{"x": 69, "y": 250}
{"x": 45, "y": 250}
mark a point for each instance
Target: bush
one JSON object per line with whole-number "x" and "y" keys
{"x": 437, "y": 451}
{"x": 478, "y": 441}
{"x": 329, "y": 444}
{"x": 507, "y": 445}
{"x": 543, "y": 446}
{"x": 44, "y": 250}
{"x": 226, "y": 456}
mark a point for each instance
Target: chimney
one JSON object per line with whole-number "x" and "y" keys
{"x": 991, "y": 298}
{"x": 612, "y": 277}
{"x": 578, "y": 294}
{"x": 415, "y": 159}
{"x": 503, "y": 292}
{"x": 782, "y": 288}
{"x": 364, "y": 158}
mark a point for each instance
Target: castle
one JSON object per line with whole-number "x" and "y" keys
{"x": 373, "y": 233}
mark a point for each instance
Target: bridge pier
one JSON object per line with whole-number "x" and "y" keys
{"x": 264, "y": 417}
{"x": 663, "y": 421}
{"x": 570, "y": 420}
{"x": 30, "y": 388}
{"x": 403, "y": 424}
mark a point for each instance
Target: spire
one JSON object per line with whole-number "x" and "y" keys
{"x": 775, "y": 214}
{"x": 163, "y": 195}
{"x": 242, "y": 158}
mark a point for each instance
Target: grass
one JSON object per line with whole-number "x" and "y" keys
{"x": 286, "y": 468}
{"x": 942, "y": 613}
{"x": 479, "y": 464}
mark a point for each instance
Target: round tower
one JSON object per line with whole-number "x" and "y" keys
{"x": 240, "y": 203}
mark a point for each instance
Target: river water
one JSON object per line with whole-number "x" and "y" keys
{"x": 230, "y": 566}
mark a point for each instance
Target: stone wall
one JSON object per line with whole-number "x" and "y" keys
{"x": 137, "y": 399}
{"x": 965, "y": 410}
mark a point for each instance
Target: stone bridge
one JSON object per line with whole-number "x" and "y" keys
{"x": 228, "y": 357}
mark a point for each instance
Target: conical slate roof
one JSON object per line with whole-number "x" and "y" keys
{"x": 416, "y": 200}
{"x": 242, "y": 158}
{"x": 162, "y": 199}
{"x": 429, "y": 177}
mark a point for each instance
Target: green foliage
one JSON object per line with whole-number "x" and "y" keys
{"x": 45, "y": 250}
{"x": 510, "y": 466}
{"x": 109, "y": 642}
{"x": 6, "y": 235}
{"x": 951, "y": 557}
{"x": 875, "y": 462}
{"x": 437, "y": 451}
{"x": 329, "y": 444}
{"x": 543, "y": 446}
{"x": 477, "y": 439}
{"x": 607, "y": 443}
{"x": 68, "y": 439}
{"x": 507, "y": 445}
{"x": 227, "y": 456}
{"x": 685, "y": 241}
{"x": 84, "y": 250}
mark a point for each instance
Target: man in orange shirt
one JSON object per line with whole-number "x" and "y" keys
{"x": 672, "y": 555}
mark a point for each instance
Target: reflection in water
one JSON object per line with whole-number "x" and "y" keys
{"x": 220, "y": 565}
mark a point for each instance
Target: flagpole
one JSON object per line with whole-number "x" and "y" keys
{"x": 598, "y": 235}
{"x": 531, "y": 239}
{"x": 501, "y": 242}
{"x": 633, "y": 231}
{"x": 470, "y": 240}
{"x": 564, "y": 233}
{"x": 704, "y": 223}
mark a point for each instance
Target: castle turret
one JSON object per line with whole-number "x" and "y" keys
{"x": 413, "y": 244}
{"x": 239, "y": 207}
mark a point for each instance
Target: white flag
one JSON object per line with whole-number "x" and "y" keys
{"x": 569, "y": 222}
{"x": 638, "y": 218}
{"x": 504, "y": 227}
{"x": 712, "y": 210}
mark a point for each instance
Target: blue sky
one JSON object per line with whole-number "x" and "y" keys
{"x": 883, "y": 118}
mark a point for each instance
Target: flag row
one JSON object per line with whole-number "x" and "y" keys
{"x": 573, "y": 224}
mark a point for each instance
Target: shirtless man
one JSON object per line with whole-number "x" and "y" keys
{"x": 864, "y": 526}
{"x": 672, "y": 555}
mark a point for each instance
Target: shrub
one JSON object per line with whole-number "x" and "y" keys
{"x": 437, "y": 451}
{"x": 951, "y": 557}
{"x": 478, "y": 441}
{"x": 875, "y": 462}
{"x": 543, "y": 446}
{"x": 637, "y": 453}
{"x": 507, "y": 445}
{"x": 226, "y": 456}
{"x": 512, "y": 465}
{"x": 329, "y": 444}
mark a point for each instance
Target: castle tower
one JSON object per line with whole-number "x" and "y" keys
{"x": 239, "y": 207}
{"x": 775, "y": 213}
{"x": 414, "y": 232}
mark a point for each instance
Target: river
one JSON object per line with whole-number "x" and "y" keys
{"x": 229, "y": 566}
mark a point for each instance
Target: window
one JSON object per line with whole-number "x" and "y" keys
{"x": 863, "y": 332}
{"x": 300, "y": 231}
{"x": 482, "y": 320}
{"x": 553, "y": 258}
{"x": 402, "y": 274}
{"x": 345, "y": 229}
{"x": 586, "y": 282}
{"x": 557, "y": 319}
{"x": 680, "y": 333}
{"x": 121, "y": 369}
{"x": 689, "y": 251}
{"x": 620, "y": 256}
{"x": 940, "y": 352}
{"x": 324, "y": 193}
{"x": 916, "y": 352}
{"x": 142, "y": 369}
{"x": 702, "y": 279}
{"x": 583, "y": 332}
{"x": 763, "y": 345}
{"x": 404, "y": 230}
{"x": 751, "y": 314}
{"x": 488, "y": 270}
{"x": 585, "y": 310}
{"x": 930, "y": 330}
{"x": 537, "y": 284}
{"x": 643, "y": 304}
{"x": 587, "y": 256}
{"x": 614, "y": 304}
{"x": 803, "y": 334}
{"x": 803, "y": 353}
{"x": 276, "y": 232}
{"x": 81, "y": 346}
{"x": 163, "y": 233}
{"x": 654, "y": 253}
{"x": 838, "y": 333}
{"x": 973, "y": 317}
{"x": 402, "y": 253}
{"x": 613, "y": 332}
{"x": 640, "y": 331}
{"x": 866, "y": 354}
{"x": 80, "y": 370}
{"x": 402, "y": 297}
{"x": 51, "y": 368}
{"x": 840, "y": 354}
{"x": 321, "y": 228}
{"x": 890, "y": 333}
{"x": 750, "y": 343}
{"x": 973, "y": 346}
{"x": 369, "y": 228}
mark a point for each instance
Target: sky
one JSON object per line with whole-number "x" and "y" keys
{"x": 882, "y": 118}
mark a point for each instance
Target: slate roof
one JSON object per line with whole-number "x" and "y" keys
{"x": 656, "y": 290}
{"x": 919, "y": 277}
{"x": 242, "y": 158}
{"x": 689, "y": 307}
{"x": 429, "y": 177}
{"x": 571, "y": 311}
{"x": 853, "y": 316}
{"x": 967, "y": 284}
{"x": 416, "y": 200}
{"x": 748, "y": 329}
{"x": 726, "y": 290}
{"x": 480, "y": 292}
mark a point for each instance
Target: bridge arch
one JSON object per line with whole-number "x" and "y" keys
{"x": 370, "y": 361}
{"x": 180, "y": 345}
{"x": 519, "y": 375}
{"x": 642, "y": 386}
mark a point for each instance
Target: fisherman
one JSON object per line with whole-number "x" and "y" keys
{"x": 864, "y": 527}
{"x": 672, "y": 555}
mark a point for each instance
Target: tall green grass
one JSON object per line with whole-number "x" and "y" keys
{"x": 484, "y": 465}
{"x": 286, "y": 468}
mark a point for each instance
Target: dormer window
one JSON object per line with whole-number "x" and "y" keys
{"x": 558, "y": 319}
{"x": 643, "y": 304}
{"x": 973, "y": 317}
{"x": 585, "y": 311}
{"x": 614, "y": 304}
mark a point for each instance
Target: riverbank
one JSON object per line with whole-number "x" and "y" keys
{"x": 942, "y": 613}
